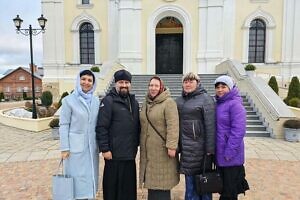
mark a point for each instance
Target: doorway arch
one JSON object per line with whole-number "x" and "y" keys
{"x": 183, "y": 17}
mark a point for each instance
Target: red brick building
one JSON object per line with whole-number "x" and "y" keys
{"x": 16, "y": 81}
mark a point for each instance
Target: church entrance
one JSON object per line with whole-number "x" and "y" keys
{"x": 169, "y": 46}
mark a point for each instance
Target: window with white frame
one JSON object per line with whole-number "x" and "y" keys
{"x": 25, "y": 89}
{"x": 19, "y": 89}
{"x": 259, "y": 30}
{"x": 21, "y": 78}
{"x": 7, "y": 89}
{"x": 86, "y": 41}
{"x": 257, "y": 41}
{"x": 85, "y": 1}
{"x": 37, "y": 89}
{"x": 76, "y": 26}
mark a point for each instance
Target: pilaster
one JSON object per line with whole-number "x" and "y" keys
{"x": 129, "y": 48}
{"x": 210, "y": 47}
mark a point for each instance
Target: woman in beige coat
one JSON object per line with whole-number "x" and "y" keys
{"x": 158, "y": 142}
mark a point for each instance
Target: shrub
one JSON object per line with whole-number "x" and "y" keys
{"x": 62, "y": 96}
{"x": 273, "y": 84}
{"x": 29, "y": 109}
{"x": 46, "y": 98}
{"x": 292, "y": 123}
{"x": 294, "y": 90}
{"x": 54, "y": 123}
{"x": 95, "y": 69}
{"x": 28, "y": 98}
{"x": 1, "y": 96}
{"x": 250, "y": 67}
{"x": 294, "y": 102}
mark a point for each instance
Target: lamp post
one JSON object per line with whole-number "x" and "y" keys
{"x": 31, "y": 31}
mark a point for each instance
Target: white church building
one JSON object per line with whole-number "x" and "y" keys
{"x": 169, "y": 36}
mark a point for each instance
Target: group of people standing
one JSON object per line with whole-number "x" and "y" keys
{"x": 174, "y": 137}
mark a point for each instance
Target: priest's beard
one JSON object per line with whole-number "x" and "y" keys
{"x": 124, "y": 92}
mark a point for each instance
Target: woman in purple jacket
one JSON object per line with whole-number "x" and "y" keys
{"x": 231, "y": 129}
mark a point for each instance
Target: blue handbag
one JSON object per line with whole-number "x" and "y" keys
{"x": 62, "y": 185}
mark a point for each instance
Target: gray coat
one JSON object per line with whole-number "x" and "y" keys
{"x": 197, "y": 129}
{"x": 77, "y": 135}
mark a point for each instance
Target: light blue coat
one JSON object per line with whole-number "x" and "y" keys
{"x": 77, "y": 135}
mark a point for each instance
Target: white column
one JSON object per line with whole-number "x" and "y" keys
{"x": 211, "y": 31}
{"x": 291, "y": 40}
{"x": 229, "y": 28}
{"x": 53, "y": 39}
{"x": 113, "y": 16}
{"x": 130, "y": 35}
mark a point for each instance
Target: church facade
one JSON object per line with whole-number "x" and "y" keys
{"x": 170, "y": 36}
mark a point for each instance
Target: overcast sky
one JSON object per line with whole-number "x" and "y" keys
{"x": 14, "y": 48}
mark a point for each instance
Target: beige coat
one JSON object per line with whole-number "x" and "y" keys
{"x": 157, "y": 170}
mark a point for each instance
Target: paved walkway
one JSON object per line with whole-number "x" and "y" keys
{"x": 28, "y": 160}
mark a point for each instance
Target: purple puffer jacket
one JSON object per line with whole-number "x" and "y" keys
{"x": 231, "y": 129}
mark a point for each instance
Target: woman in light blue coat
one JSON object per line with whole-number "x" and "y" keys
{"x": 78, "y": 145}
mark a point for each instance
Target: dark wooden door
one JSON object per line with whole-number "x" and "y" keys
{"x": 169, "y": 53}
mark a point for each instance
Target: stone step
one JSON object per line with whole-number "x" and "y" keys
{"x": 254, "y": 122}
{"x": 257, "y": 133}
{"x": 252, "y": 117}
{"x": 255, "y": 126}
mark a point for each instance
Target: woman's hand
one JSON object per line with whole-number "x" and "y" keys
{"x": 65, "y": 154}
{"x": 107, "y": 155}
{"x": 172, "y": 153}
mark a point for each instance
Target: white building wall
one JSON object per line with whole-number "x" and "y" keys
{"x": 229, "y": 27}
{"x": 291, "y": 40}
{"x": 130, "y": 42}
{"x": 53, "y": 39}
{"x": 211, "y": 32}
{"x": 113, "y": 29}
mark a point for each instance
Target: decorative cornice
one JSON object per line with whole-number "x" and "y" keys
{"x": 84, "y": 17}
{"x": 260, "y": 14}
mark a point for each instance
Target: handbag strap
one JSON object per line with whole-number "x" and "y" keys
{"x": 61, "y": 164}
{"x": 214, "y": 166}
{"x": 153, "y": 126}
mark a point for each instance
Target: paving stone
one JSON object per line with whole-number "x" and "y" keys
{"x": 40, "y": 155}
{"x": 19, "y": 156}
{"x": 272, "y": 167}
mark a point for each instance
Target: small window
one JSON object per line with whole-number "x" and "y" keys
{"x": 37, "y": 89}
{"x": 7, "y": 89}
{"x": 25, "y": 89}
{"x": 85, "y": 1}
{"x": 21, "y": 78}
{"x": 19, "y": 89}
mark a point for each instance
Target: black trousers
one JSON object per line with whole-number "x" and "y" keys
{"x": 159, "y": 195}
{"x": 119, "y": 180}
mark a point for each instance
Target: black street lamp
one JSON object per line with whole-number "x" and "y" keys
{"x": 31, "y": 31}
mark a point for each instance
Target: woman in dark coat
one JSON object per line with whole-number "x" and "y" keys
{"x": 231, "y": 129}
{"x": 197, "y": 132}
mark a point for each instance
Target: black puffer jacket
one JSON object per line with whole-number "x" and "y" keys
{"x": 197, "y": 129}
{"x": 118, "y": 126}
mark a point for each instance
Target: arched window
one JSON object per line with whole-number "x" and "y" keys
{"x": 257, "y": 41}
{"x": 87, "y": 49}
